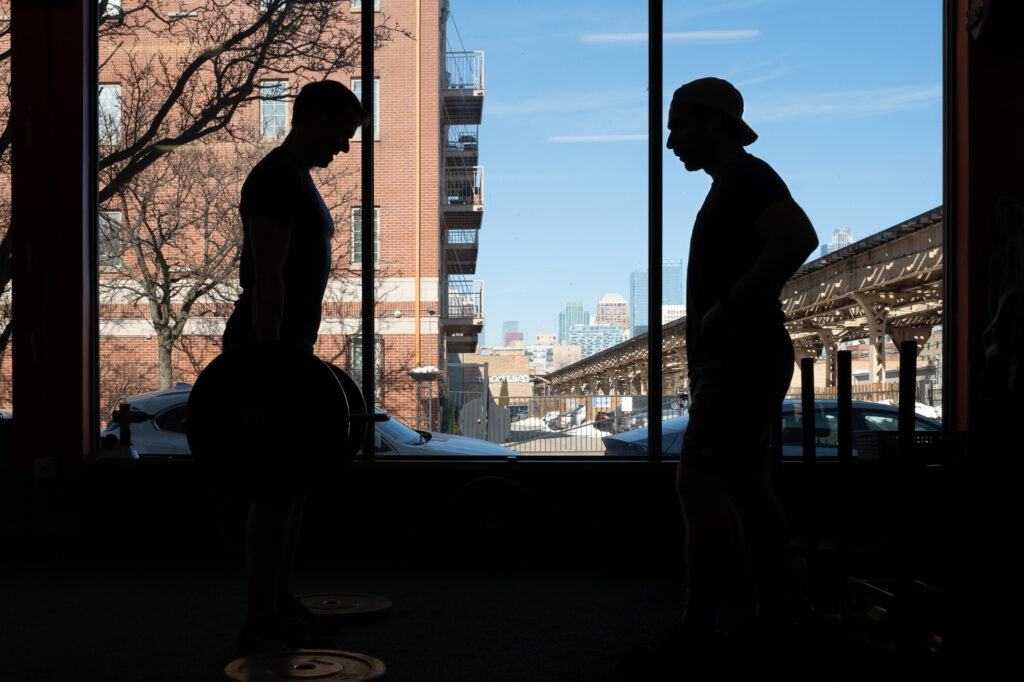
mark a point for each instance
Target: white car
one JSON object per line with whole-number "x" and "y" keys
{"x": 163, "y": 433}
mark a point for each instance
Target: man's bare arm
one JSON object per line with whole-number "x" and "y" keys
{"x": 789, "y": 238}
{"x": 270, "y": 241}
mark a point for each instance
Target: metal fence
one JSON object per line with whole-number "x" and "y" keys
{"x": 926, "y": 391}
{"x": 577, "y": 425}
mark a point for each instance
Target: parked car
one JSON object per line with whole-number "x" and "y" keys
{"x": 605, "y": 421}
{"x": 573, "y": 417}
{"x": 867, "y": 416}
{"x": 163, "y": 434}
{"x": 518, "y": 412}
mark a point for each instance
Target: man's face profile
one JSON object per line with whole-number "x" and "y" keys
{"x": 332, "y": 134}
{"x": 689, "y": 137}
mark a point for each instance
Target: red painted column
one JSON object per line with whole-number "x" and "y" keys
{"x": 985, "y": 157}
{"x": 53, "y": 190}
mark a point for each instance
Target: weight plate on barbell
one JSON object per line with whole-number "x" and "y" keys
{"x": 305, "y": 664}
{"x": 356, "y": 405}
{"x": 347, "y": 607}
{"x": 265, "y": 415}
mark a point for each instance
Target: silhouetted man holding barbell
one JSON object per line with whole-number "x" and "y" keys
{"x": 285, "y": 264}
{"x": 749, "y": 237}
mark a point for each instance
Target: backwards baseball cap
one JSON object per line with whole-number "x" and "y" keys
{"x": 721, "y": 94}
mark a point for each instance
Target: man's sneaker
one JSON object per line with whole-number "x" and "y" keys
{"x": 277, "y": 634}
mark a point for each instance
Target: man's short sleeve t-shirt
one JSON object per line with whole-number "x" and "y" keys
{"x": 279, "y": 187}
{"x": 724, "y": 246}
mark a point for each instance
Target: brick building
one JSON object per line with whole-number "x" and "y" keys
{"x": 428, "y": 196}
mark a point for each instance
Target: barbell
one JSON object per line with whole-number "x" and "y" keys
{"x": 274, "y": 419}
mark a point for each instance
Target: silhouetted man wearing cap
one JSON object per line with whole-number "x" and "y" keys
{"x": 748, "y": 239}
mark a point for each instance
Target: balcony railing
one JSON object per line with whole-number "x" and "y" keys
{"x": 465, "y": 299}
{"x": 464, "y": 237}
{"x": 464, "y": 187}
{"x": 462, "y": 138}
{"x": 464, "y": 70}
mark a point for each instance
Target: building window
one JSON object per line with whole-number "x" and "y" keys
{"x": 109, "y": 242}
{"x": 273, "y": 109}
{"x": 357, "y": 236}
{"x": 110, "y": 114}
{"x": 357, "y": 5}
{"x": 355, "y": 368}
{"x": 357, "y": 88}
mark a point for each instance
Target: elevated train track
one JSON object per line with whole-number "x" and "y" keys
{"x": 887, "y": 284}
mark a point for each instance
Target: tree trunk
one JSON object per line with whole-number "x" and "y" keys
{"x": 165, "y": 344}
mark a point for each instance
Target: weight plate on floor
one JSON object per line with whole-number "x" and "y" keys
{"x": 305, "y": 664}
{"x": 356, "y": 405}
{"x": 346, "y": 606}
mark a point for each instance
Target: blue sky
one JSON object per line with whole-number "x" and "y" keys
{"x": 846, "y": 97}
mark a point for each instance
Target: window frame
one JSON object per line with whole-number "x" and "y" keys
{"x": 354, "y": 346}
{"x": 105, "y": 136}
{"x": 357, "y": 246}
{"x": 90, "y": 216}
{"x": 358, "y": 137}
{"x": 106, "y": 261}
{"x": 265, "y": 102}
{"x": 354, "y": 7}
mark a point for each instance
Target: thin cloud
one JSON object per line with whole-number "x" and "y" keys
{"x": 676, "y": 37}
{"x": 846, "y": 104}
{"x": 597, "y": 138}
{"x": 778, "y": 73}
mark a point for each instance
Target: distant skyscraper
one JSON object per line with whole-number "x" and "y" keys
{"x": 841, "y": 238}
{"x": 511, "y": 336}
{"x": 672, "y": 282}
{"x": 573, "y": 314}
{"x": 638, "y": 301}
{"x": 671, "y": 292}
{"x": 594, "y": 338}
{"x": 614, "y": 310}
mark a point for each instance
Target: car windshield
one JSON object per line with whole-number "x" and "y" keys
{"x": 398, "y": 432}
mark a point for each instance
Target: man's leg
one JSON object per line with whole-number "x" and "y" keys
{"x": 294, "y": 530}
{"x": 765, "y": 539}
{"x": 266, "y": 541}
{"x": 709, "y": 530}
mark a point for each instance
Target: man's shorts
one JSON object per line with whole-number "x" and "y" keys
{"x": 731, "y": 416}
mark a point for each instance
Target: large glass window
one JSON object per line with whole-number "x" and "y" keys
{"x": 558, "y": 231}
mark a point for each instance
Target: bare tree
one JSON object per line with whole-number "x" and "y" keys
{"x": 121, "y": 375}
{"x": 171, "y": 238}
{"x": 205, "y": 70}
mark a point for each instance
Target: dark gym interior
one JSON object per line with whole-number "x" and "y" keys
{"x": 497, "y": 570}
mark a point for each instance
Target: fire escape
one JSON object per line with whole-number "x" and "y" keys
{"x": 462, "y": 199}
